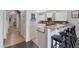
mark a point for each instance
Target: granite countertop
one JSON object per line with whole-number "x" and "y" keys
{"x": 42, "y": 27}
{"x": 60, "y": 27}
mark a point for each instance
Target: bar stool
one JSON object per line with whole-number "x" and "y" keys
{"x": 74, "y": 36}
{"x": 58, "y": 41}
{"x": 64, "y": 38}
{"x": 71, "y": 37}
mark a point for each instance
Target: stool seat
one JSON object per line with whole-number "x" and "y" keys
{"x": 57, "y": 38}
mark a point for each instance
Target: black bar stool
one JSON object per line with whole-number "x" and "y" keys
{"x": 58, "y": 41}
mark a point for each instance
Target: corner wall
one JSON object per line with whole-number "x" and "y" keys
{"x": 30, "y": 26}
{"x": 5, "y": 25}
{"x": 1, "y": 28}
{"x": 23, "y": 23}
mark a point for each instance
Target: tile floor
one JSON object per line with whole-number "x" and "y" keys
{"x": 29, "y": 44}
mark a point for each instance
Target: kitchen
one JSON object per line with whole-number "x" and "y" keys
{"x": 51, "y": 19}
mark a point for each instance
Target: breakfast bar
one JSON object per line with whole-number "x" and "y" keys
{"x": 49, "y": 35}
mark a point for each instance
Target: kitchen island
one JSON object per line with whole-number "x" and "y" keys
{"x": 45, "y": 32}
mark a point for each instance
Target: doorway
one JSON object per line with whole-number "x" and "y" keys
{"x": 14, "y": 29}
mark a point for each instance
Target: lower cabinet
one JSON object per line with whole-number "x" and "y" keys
{"x": 42, "y": 39}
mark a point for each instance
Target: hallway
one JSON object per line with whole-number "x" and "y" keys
{"x": 13, "y": 37}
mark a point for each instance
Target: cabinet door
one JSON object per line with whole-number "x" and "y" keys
{"x": 42, "y": 40}
{"x": 42, "y": 17}
{"x": 49, "y": 14}
{"x": 61, "y": 16}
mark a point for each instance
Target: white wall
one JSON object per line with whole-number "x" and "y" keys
{"x": 5, "y": 26}
{"x": 28, "y": 26}
{"x": 7, "y": 22}
{"x": 17, "y": 22}
{"x": 31, "y": 32}
{"x": 33, "y": 28}
{"x": 23, "y": 23}
{"x": 1, "y": 28}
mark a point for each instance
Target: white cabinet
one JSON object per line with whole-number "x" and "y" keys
{"x": 55, "y": 15}
{"x": 42, "y": 39}
{"x": 42, "y": 17}
{"x": 61, "y": 16}
{"x": 49, "y": 14}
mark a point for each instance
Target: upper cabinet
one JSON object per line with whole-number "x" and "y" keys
{"x": 49, "y": 14}
{"x": 42, "y": 17}
{"x": 61, "y": 16}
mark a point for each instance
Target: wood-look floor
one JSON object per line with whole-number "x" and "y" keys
{"x": 13, "y": 37}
